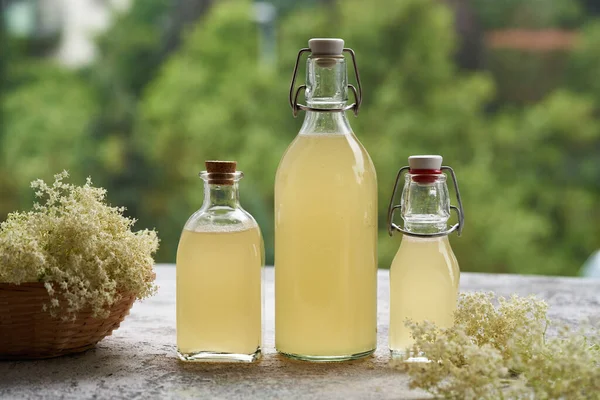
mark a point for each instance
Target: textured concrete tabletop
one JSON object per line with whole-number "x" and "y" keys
{"x": 138, "y": 361}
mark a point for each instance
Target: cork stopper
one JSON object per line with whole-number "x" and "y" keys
{"x": 221, "y": 172}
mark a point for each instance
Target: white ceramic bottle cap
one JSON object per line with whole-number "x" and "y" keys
{"x": 326, "y": 46}
{"x": 425, "y": 162}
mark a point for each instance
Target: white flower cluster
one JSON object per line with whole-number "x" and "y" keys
{"x": 81, "y": 248}
{"x": 497, "y": 350}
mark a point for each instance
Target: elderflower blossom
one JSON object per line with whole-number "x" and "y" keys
{"x": 82, "y": 249}
{"x": 458, "y": 367}
{"x": 566, "y": 367}
{"x": 487, "y": 323}
{"x": 497, "y": 350}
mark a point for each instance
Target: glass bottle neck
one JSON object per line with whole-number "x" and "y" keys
{"x": 221, "y": 195}
{"x": 326, "y": 88}
{"x": 326, "y": 82}
{"x": 425, "y": 204}
{"x": 425, "y": 227}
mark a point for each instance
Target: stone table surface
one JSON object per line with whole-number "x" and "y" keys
{"x": 138, "y": 361}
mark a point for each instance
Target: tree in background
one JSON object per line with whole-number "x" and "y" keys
{"x": 584, "y": 62}
{"x": 222, "y": 103}
{"x": 45, "y": 111}
{"x": 46, "y": 122}
{"x": 418, "y": 102}
{"x": 497, "y": 14}
{"x": 131, "y": 52}
{"x": 548, "y": 152}
{"x": 213, "y": 100}
{"x": 168, "y": 93}
{"x": 81, "y": 120}
{"x": 6, "y": 194}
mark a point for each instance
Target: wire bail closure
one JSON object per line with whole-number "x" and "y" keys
{"x": 294, "y": 94}
{"x": 458, "y": 227}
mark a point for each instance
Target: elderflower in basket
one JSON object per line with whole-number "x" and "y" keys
{"x": 70, "y": 270}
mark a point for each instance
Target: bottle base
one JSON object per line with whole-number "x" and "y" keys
{"x": 303, "y": 357}
{"x": 209, "y": 356}
{"x": 409, "y": 357}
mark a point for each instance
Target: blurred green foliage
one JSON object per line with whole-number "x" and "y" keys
{"x": 131, "y": 53}
{"x": 495, "y": 14}
{"x": 46, "y": 116}
{"x": 144, "y": 117}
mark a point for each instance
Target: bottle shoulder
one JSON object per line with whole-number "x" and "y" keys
{"x": 366, "y": 155}
{"x": 430, "y": 252}
{"x": 325, "y": 154}
{"x": 218, "y": 219}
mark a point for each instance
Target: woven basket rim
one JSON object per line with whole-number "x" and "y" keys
{"x": 22, "y": 284}
{"x": 42, "y": 284}
{"x": 36, "y": 290}
{"x": 5, "y": 286}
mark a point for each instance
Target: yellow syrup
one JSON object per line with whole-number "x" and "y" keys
{"x": 326, "y": 249}
{"x": 424, "y": 279}
{"x": 219, "y": 300}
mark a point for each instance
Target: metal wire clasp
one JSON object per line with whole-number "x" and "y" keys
{"x": 294, "y": 94}
{"x": 458, "y": 227}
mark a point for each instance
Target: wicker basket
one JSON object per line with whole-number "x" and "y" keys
{"x": 28, "y": 332}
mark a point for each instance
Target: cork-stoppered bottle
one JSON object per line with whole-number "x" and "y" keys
{"x": 219, "y": 268}
{"x": 326, "y": 221}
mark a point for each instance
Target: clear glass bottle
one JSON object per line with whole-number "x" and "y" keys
{"x": 326, "y": 223}
{"x": 219, "y": 273}
{"x": 424, "y": 275}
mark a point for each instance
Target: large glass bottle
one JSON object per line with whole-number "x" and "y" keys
{"x": 219, "y": 266}
{"x": 326, "y": 223}
{"x": 424, "y": 275}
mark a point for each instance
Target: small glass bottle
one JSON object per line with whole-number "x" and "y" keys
{"x": 424, "y": 274}
{"x": 219, "y": 273}
{"x": 326, "y": 221}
